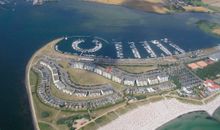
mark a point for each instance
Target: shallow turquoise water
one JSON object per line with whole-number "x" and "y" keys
{"x": 193, "y": 121}
{"x": 26, "y": 29}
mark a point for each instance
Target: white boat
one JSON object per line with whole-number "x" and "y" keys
{"x": 134, "y": 50}
{"x": 119, "y": 50}
{"x": 149, "y": 49}
{"x": 162, "y": 47}
{"x": 177, "y": 48}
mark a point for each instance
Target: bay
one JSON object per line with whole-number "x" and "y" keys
{"x": 24, "y": 29}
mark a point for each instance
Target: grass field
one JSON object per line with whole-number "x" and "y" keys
{"x": 83, "y": 77}
{"x": 34, "y": 79}
{"x": 136, "y": 69}
{"x": 44, "y": 126}
{"x": 91, "y": 126}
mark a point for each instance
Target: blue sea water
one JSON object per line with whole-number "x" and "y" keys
{"x": 24, "y": 29}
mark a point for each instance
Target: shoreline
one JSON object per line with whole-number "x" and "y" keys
{"x": 154, "y": 115}
{"x": 154, "y": 7}
{"x": 160, "y": 119}
{"x": 28, "y": 85}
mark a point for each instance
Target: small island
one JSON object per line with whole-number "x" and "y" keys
{"x": 68, "y": 91}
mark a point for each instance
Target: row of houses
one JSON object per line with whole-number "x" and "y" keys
{"x": 62, "y": 81}
{"x": 144, "y": 79}
{"x": 44, "y": 92}
{"x": 178, "y": 4}
{"x": 153, "y": 89}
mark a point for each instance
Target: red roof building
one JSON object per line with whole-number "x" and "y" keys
{"x": 211, "y": 85}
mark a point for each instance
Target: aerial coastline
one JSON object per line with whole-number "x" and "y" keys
{"x": 29, "y": 86}
{"x": 164, "y": 6}
{"x": 153, "y": 115}
{"x": 82, "y": 83}
{"x": 167, "y": 99}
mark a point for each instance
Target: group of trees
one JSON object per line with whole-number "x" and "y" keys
{"x": 210, "y": 71}
{"x": 195, "y": 2}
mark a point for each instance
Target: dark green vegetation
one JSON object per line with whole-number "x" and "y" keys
{"x": 176, "y": 81}
{"x": 69, "y": 120}
{"x": 44, "y": 126}
{"x": 33, "y": 78}
{"x": 195, "y": 2}
{"x": 210, "y": 71}
{"x": 90, "y": 126}
{"x": 207, "y": 26}
{"x": 139, "y": 97}
{"x": 45, "y": 114}
{"x": 180, "y": 7}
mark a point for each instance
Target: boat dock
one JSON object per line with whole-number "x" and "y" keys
{"x": 177, "y": 48}
{"x": 149, "y": 49}
{"x": 134, "y": 50}
{"x": 76, "y": 43}
{"x": 75, "y": 46}
{"x": 162, "y": 47}
{"x": 119, "y": 50}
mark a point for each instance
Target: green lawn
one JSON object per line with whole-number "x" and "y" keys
{"x": 33, "y": 78}
{"x": 44, "y": 126}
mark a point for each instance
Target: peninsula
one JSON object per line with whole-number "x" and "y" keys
{"x": 70, "y": 91}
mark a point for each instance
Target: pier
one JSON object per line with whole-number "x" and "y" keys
{"x": 119, "y": 50}
{"x": 177, "y": 48}
{"x": 163, "y": 48}
{"x": 134, "y": 50}
{"x": 75, "y": 45}
{"x": 149, "y": 49}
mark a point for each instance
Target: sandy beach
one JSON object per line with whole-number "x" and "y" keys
{"x": 154, "y": 115}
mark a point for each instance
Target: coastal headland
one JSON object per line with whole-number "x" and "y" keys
{"x": 69, "y": 91}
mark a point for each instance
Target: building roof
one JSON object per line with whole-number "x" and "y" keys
{"x": 211, "y": 84}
